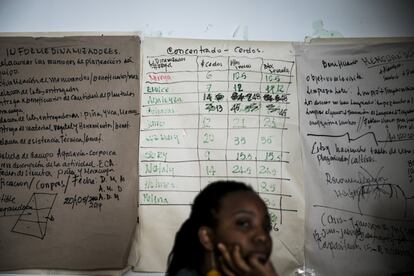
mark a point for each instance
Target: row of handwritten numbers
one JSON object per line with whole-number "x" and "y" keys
{"x": 209, "y": 139}
{"x": 263, "y": 155}
{"x": 241, "y": 121}
{"x": 241, "y": 169}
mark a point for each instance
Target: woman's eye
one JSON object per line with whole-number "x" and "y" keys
{"x": 243, "y": 223}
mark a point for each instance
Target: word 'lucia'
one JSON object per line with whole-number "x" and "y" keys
{"x": 155, "y": 124}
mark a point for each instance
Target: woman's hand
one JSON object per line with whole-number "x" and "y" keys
{"x": 232, "y": 264}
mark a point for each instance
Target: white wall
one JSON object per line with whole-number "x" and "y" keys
{"x": 276, "y": 20}
{"x": 216, "y": 19}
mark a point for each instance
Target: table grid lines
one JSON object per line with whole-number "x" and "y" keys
{"x": 238, "y": 117}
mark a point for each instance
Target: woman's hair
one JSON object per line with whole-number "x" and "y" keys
{"x": 187, "y": 251}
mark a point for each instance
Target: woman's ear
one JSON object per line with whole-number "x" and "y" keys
{"x": 206, "y": 237}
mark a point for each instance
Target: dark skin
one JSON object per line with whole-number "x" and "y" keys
{"x": 242, "y": 236}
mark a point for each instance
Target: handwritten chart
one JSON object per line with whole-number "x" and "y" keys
{"x": 68, "y": 175}
{"x": 216, "y": 110}
{"x": 357, "y": 125}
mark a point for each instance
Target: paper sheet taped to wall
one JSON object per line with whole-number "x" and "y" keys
{"x": 217, "y": 110}
{"x": 68, "y": 151}
{"x": 357, "y": 128}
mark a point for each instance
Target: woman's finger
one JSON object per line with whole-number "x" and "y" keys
{"x": 227, "y": 259}
{"x": 225, "y": 268}
{"x": 239, "y": 262}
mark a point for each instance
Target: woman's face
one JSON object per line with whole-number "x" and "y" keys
{"x": 243, "y": 220}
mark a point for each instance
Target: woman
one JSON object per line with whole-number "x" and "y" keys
{"x": 227, "y": 233}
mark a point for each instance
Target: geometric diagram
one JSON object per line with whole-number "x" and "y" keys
{"x": 379, "y": 196}
{"x": 33, "y": 220}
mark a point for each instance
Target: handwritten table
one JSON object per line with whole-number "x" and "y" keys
{"x": 214, "y": 113}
